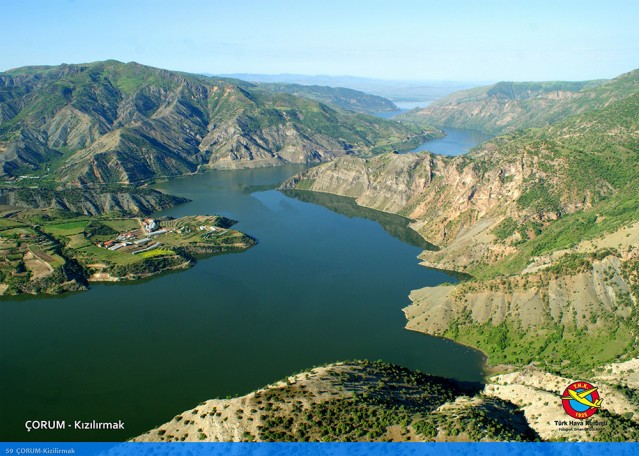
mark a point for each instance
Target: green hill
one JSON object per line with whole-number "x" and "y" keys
{"x": 352, "y": 402}
{"x": 126, "y": 123}
{"x": 362, "y": 401}
{"x": 508, "y": 106}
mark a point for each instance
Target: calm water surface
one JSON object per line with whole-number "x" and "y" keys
{"x": 322, "y": 285}
{"x": 456, "y": 142}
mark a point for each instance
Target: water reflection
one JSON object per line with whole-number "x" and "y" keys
{"x": 395, "y": 225}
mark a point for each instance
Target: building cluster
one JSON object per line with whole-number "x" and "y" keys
{"x": 143, "y": 239}
{"x": 136, "y": 241}
{"x": 149, "y": 225}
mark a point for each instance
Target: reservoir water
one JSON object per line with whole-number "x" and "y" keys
{"x": 456, "y": 142}
{"x": 326, "y": 282}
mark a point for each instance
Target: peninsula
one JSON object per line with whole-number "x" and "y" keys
{"x": 45, "y": 254}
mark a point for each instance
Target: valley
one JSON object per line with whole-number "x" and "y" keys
{"x": 105, "y": 166}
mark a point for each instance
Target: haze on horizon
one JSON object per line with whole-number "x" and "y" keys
{"x": 404, "y": 40}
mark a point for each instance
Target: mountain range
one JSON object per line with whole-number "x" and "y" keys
{"x": 395, "y": 90}
{"x": 111, "y": 122}
{"x": 507, "y": 106}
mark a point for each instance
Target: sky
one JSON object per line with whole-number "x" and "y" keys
{"x": 487, "y": 40}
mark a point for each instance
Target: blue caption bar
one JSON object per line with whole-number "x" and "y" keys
{"x": 323, "y": 449}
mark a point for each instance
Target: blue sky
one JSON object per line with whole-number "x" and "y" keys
{"x": 483, "y": 40}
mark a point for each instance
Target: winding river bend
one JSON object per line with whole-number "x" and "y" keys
{"x": 326, "y": 282}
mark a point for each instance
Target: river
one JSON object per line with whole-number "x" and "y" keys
{"x": 457, "y": 141}
{"x": 326, "y": 282}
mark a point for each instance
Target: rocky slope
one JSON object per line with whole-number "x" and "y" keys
{"x": 508, "y": 106}
{"x": 576, "y": 312}
{"x": 127, "y": 123}
{"x": 512, "y": 214}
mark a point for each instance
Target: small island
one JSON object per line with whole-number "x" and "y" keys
{"x": 44, "y": 254}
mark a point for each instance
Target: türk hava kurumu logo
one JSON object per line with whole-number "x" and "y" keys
{"x": 581, "y": 400}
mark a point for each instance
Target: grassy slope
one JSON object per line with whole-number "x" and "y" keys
{"x": 599, "y": 156}
{"x": 594, "y": 154}
{"x": 376, "y": 401}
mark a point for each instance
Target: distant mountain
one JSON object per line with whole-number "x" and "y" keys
{"x": 395, "y": 90}
{"x": 507, "y": 106}
{"x": 340, "y": 97}
{"x": 110, "y": 122}
{"x": 323, "y": 80}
